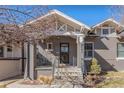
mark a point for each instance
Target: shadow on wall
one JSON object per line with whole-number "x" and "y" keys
{"x": 100, "y": 45}
{"x": 106, "y": 66}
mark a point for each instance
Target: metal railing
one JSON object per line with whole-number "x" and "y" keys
{"x": 55, "y": 60}
{"x": 48, "y": 56}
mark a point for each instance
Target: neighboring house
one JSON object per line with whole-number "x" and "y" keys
{"x": 75, "y": 44}
{"x": 10, "y": 61}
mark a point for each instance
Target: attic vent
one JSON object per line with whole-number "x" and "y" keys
{"x": 61, "y": 26}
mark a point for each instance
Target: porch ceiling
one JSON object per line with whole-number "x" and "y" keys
{"x": 59, "y": 36}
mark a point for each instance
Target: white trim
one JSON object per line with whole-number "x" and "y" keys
{"x": 119, "y": 58}
{"x": 63, "y": 15}
{"x": 39, "y": 18}
{"x": 92, "y": 51}
{"x": 109, "y": 34}
{"x": 51, "y": 46}
{"x": 71, "y": 19}
{"x": 87, "y": 58}
{"x": 110, "y": 19}
{"x": 109, "y": 31}
{"x": 61, "y": 28}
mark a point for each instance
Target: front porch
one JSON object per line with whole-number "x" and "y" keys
{"x": 61, "y": 52}
{"x": 62, "y": 47}
{"x": 53, "y": 53}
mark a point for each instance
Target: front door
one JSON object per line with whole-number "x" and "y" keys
{"x": 64, "y": 53}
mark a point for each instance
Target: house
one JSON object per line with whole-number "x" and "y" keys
{"x": 72, "y": 46}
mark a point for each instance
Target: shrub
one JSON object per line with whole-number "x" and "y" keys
{"x": 45, "y": 79}
{"x": 95, "y": 67}
{"x": 2, "y": 85}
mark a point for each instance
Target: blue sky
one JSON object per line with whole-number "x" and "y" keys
{"x": 88, "y": 14}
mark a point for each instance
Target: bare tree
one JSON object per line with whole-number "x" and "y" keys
{"x": 117, "y": 12}
{"x": 20, "y": 24}
{"x": 25, "y": 23}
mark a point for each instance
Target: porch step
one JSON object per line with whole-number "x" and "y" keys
{"x": 68, "y": 71}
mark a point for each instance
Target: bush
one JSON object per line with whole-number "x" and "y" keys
{"x": 2, "y": 85}
{"x": 45, "y": 79}
{"x": 95, "y": 67}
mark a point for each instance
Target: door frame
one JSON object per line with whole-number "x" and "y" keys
{"x": 61, "y": 52}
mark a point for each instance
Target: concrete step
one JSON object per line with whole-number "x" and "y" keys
{"x": 68, "y": 71}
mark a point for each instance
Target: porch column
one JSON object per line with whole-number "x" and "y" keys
{"x": 26, "y": 61}
{"x": 80, "y": 50}
{"x": 32, "y": 61}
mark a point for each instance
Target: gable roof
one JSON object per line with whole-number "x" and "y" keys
{"x": 108, "y": 20}
{"x": 62, "y": 15}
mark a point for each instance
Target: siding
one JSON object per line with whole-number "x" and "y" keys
{"x": 105, "y": 51}
{"x": 9, "y": 68}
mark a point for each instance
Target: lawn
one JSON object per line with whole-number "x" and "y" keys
{"x": 112, "y": 80}
{"x": 4, "y": 84}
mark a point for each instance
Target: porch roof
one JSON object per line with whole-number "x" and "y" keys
{"x": 65, "y": 33}
{"x": 62, "y": 15}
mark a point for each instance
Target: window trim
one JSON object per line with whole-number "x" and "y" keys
{"x": 89, "y": 58}
{"x": 105, "y": 28}
{"x": 51, "y": 46}
{"x": 119, "y": 58}
{"x": 109, "y": 31}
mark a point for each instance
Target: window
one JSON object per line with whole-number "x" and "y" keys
{"x": 64, "y": 48}
{"x": 88, "y": 48}
{"x": 104, "y": 31}
{"x": 120, "y": 50}
{"x": 107, "y": 31}
{"x": 1, "y": 51}
{"x": 9, "y": 48}
{"x": 50, "y": 46}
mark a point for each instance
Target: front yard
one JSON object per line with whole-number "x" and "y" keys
{"x": 112, "y": 80}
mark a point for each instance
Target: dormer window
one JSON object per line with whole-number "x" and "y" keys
{"x": 105, "y": 31}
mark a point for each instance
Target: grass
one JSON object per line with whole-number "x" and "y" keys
{"x": 112, "y": 80}
{"x": 4, "y": 84}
